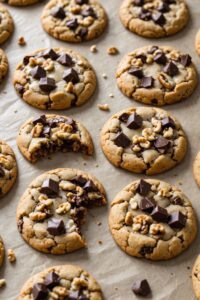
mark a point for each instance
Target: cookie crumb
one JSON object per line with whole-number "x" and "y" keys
{"x": 93, "y": 49}
{"x": 96, "y": 165}
{"x": 112, "y": 51}
{"x": 2, "y": 282}
{"x": 104, "y": 76}
{"x": 180, "y": 183}
{"x": 84, "y": 163}
{"x": 188, "y": 267}
{"x": 100, "y": 242}
{"x": 111, "y": 95}
{"x": 11, "y": 256}
{"x": 104, "y": 107}
{"x": 99, "y": 223}
{"x": 21, "y": 41}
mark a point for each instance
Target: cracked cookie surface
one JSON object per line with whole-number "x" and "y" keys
{"x": 156, "y": 75}
{"x": 143, "y": 140}
{"x": 41, "y": 136}
{"x": 6, "y": 24}
{"x": 57, "y": 78}
{"x": 154, "y": 18}
{"x": 61, "y": 282}
{"x": 196, "y": 277}
{"x": 74, "y": 20}
{"x": 152, "y": 219}
{"x": 8, "y": 168}
{"x": 3, "y": 65}
{"x": 1, "y": 251}
{"x": 54, "y": 206}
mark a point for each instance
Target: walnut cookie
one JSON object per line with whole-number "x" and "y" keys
{"x": 57, "y": 78}
{"x": 152, "y": 219}
{"x": 196, "y": 277}
{"x": 74, "y": 20}
{"x": 1, "y": 251}
{"x": 143, "y": 140}
{"x": 6, "y": 24}
{"x": 3, "y": 65}
{"x": 8, "y": 168}
{"x": 154, "y": 18}
{"x": 46, "y": 134}
{"x": 61, "y": 282}
{"x": 52, "y": 209}
{"x": 156, "y": 75}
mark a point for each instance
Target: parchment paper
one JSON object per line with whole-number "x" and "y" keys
{"x": 114, "y": 270}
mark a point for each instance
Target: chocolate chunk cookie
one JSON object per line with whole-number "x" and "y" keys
{"x": 62, "y": 282}
{"x": 8, "y": 168}
{"x": 3, "y": 65}
{"x": 1, "y": 251}
{"x": 74, "y": 20}
{"x": 6, "y": 24}
{"x": 57, "y": 78}
{"x": 54, "y": 206}
{"x": 152, "y": 219}
{"x": 196, "y": 277}
{"x": 156, "y": 75}
{"x": 143, "y": 140}
{"x": 154, "y": 18}
{"x": 46, "y": 134}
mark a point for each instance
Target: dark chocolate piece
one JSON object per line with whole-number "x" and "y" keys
{"x": 56, "y": 227}
{"x": 141, "y": 288}
{"x": 147, "y": 204}
{"x": 121, "y": 140}
{"x": 177, "y": 220}
{"x": 144, "y": 187}
{"x": 159, "y": 214}
{"x": 47, "y": 84}
{"x": 134, "y": 121}
{"x": 50, "y": 187}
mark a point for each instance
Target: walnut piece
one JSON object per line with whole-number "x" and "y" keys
{"x": 11, "y": 256}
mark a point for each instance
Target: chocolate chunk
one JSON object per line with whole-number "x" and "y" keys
{"x": 136, "y": 72}
{"x": 2, "y": 172}
{"x": 146, "y": 250}
{"x": 81, "y": 2}
{"x": 147, "y": 204}
{"x": 141, "y": 288}
{"x": 80, "y": 180}
{"x": 185, "y": 60}
{"x": 90, "y": 186}
{"x": 20, "y": 224}
{"x": 71, "y": 75}
{"x": 50, "y": 187}
{"x": 168, "y": 122}
{"x": 47, "y": 84}
{"x": 72, "y": 24}
{"x": 144, "y": 187}
{"x": 161, "y": 144}
{"x": 171, "y": 69}
{"x": 142, "y": 57}
{"x": 38, "y": 72}
{"x": 145, "y": 15}
{"x": 152, "y": 49}
{"x": 51, "y": 280}
{"x": 46, "y": 131}
{"x": 134, "y": 121}
{"x": 147, "y": 82}
{"x": 89, "y": 12}
{"x": 56, "y": 227}
{"x": 177, "y": 220}
{"x": 164, "y": 7}
{"x": 19, "y": 88}
{"x": 159, "y": 18}
{"x": 82, "y": 32}
{"x": 42, "y": 119}
{"x": 40, "y": 291}
{"x": 58, "y": 12}
{"x": 121, "y": 140}
{"x": 159, "y": 214}
{"x": 160, "y": 58}
{"x": 138, "y": 2}
{"x": 50, "y": 53}
{"x": 26, "y": 59}
{"x": 124, "y": 117}
{"x": 65, "y": 60}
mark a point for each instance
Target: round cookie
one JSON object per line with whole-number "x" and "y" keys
{"x": 156, "y": 75}
{"x": 196, "y": 277}
{"x": 74, "y": 20}
{"x": 8, "y": 168}
{"x": 21, "y": 2}
{"x": 41, "y": 136}
{"x": 196, "y": 169}
{"x": 197, "y": 42}
{"x": 152, "y": 219}
{"x": 154, "y": 18}
{"x": 1, "y": 251}
{"x": 143, "y": 140}
{"x": 52, "y": 209}
{"x": 62, "y": 282}
{"x": 3, "y": 65}
{"x": 57, "y": 78}
{"x": 6, "y": 24}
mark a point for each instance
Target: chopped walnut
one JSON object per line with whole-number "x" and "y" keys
{"x": 66, "y": 127}
{"x": 162, "y": 77}
{"x": 164, "y": 192}
{"x": 133, "y": 204}
{"x": 138, "y": 139}
{"x": 87, "y": 21}
{"x": 168, "y": 133}
{"x": 93, "y": 48}
{"x": 76, "y": 9}
{"x": 143, "y": 221}
{"x": 44, "y": 204}
{"x": 63, "y": 208}
{"x": 37, "y": 216}
{"x": 145, "y": 145}
{"x": 48, "y": 65}
{"x": 60, "y": 290}
{"x": 37, "y": 130}
{"x": 11, "y": 256}
{"x": 129, "y": 218}
{"x": 5, "y": 162}
{"x": 112, "y": 51}
{"x": 157, "y": 125}
{"x": 148, "y": 134}
{"x": 21, "y": 41}
{"x": 79, "y": 282}
{"x": 136, "y": 148}
{"x": 2, "y": 282}
{"x": 104, "y": 107}
{"x": 66, "y": 185}
{"x": 156, "y": 229}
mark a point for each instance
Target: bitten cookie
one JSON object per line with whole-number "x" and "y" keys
{"x": 54, "y": 206}
{"x": 154, "y": 18}
{"x": 3, "y": 65}
{"x": 21, "y": 2}
{"x": 196, "y": 277}
{"x": 197, "y": 42}
{"x": 156, "y": 75}
{"x": 61, "y": 282}
{"x": 143, "y": 140}
{"x": 74, "y": 20}
{"x": 1, "y": 251}
{"x": 8, "y": 168}
{"x": 6, "y": 24}
{"x": 46, "y": 134}
{"x": 152, "y": 219}
{"x": 57, "y": 78}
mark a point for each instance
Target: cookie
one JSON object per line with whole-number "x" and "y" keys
{"x": 154, "y": 18}
{"x": 41, "y": 136}
{"x": 1, "y": 251}
{"x": 57, "y": 78}
{"x": 8, "y": 168}
{"x": 3, "y": 65}
{"x": 196, "y": 169}
{"x": 6, "y": 24}
{"x": 54, "y": 206}
{"x": 197, "y": 42}
{"x": 156, "y": 75}
{"x": 152, "y": 219}
{"x": 143, "y": 140}
{"x": 196, "y": 277}
{"x": 21, "y": 2}
{"x": 61, "y": 282}
{"x": 74, "y": 20}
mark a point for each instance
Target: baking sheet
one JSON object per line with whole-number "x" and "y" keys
{"x": 113, "y": 269}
